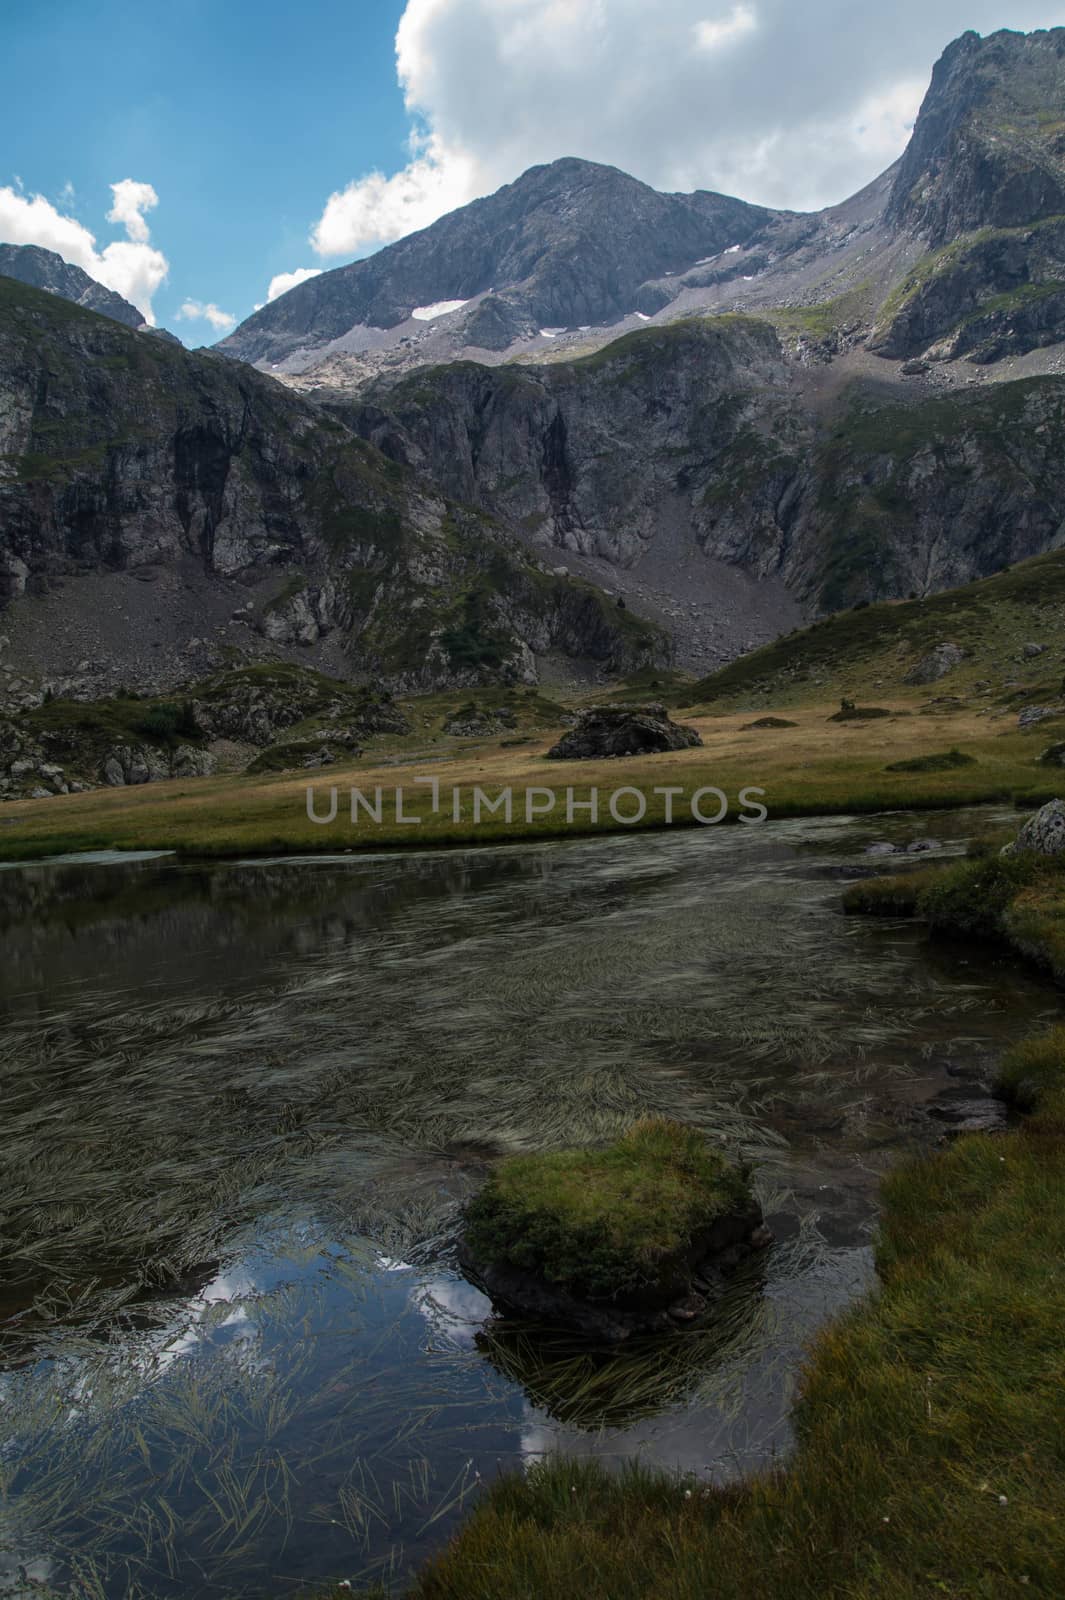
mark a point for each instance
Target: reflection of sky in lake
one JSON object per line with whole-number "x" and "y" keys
{"x": 318, "y": 1394}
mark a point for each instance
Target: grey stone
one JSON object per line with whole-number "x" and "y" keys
{"x": 1034, "y": 714}
{"x": 1044, "y": 832}
{"x": 936, "y": 664}
{"x": 622, "y": 731}
{"x": 189, "y": 762}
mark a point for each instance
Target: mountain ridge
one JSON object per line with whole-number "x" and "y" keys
{"x": 987, "y": 152}
{"x": 525, "y": 234}
{"x": 46, "y": 269}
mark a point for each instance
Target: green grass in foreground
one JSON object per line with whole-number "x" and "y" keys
{"x": 930, "y": 1458}
{"x": 610, "y": 1221}
{"x": 1016, "y": 900}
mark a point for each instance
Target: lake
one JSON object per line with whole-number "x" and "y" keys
{"x": 244, "y": 1102}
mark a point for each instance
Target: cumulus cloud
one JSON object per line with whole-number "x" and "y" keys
{"x": 132, "y": 267}
{"x": 199, "y": 311}
{"x": 790, "y": 104}
{"x": 283, "y": 281}
{"x": 374, "y": 209}
{"x": 132, "y": 200}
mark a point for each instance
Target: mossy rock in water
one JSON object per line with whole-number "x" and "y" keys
{"x": 634, "y": 1236}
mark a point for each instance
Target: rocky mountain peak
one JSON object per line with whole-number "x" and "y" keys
{"x": 567, "y": 243}
{"x": 988, "y": 147}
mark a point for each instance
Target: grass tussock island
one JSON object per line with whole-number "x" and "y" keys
{"x": 606, "y": 1222}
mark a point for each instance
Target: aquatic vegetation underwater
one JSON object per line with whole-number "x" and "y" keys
{"x": 237, "y": 1353}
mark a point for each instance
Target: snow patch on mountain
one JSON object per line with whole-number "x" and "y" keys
{"x": 439, "y": 308}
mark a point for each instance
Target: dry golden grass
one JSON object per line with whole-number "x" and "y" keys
{"x": 817, "y": 766}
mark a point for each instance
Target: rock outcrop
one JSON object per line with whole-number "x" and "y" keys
{"x": 622, "y": 731}
{"x": 1044, "y": 833}
{"x": 936, "y": 664}
{"x": 142, "y": 763}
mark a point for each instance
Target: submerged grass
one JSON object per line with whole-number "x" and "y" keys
{"x": 930, "y": 1425}
{"x": 146, "y": 1139}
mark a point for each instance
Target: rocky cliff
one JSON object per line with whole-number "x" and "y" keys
{"x": 708, "y": 437}
{"x": 125, "y": 459}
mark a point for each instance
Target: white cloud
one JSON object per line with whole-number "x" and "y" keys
{"x": 198, "y": 311}
{"x": 712, "y": 35}
{"x": 374, "y": 209}
{"x": 131, "y": 267}
{"x": 132, "y": 200}
{"x": 283, "y": 281}
{"x": 795, "y": 105}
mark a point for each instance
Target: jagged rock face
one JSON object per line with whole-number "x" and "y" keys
{"x": 119, "y": 453}
{"x": 984, "y": 151}
{"x": 593, "y": 456}
{"x": 44, "y": 269}
{"x": 1002, "y": 293}
{"x": 982, "y": 184}
{"x": 567, "y": 243}
{"x": 700, "y": 432}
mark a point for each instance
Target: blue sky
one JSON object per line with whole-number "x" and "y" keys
{"x": 242, "y": 117}
{"x": 248, "y": 141}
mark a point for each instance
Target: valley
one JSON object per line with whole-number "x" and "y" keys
{"x": 585, "y": 677}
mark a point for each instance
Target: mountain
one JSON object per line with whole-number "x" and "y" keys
{"x": 988, "y": 148}
{"x": 957, "y": 251}
{"x": 567, "y": 244}
{"x": 163, "y": 512}
{"x": 678, "y": 460}
{"x": 44, "y": 269}
{"x": 776, "y": 416}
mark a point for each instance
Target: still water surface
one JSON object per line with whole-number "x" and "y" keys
{"x": 243, "y": 1104}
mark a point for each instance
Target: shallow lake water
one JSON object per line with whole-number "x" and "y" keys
{"x": 244, "y": 1102}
